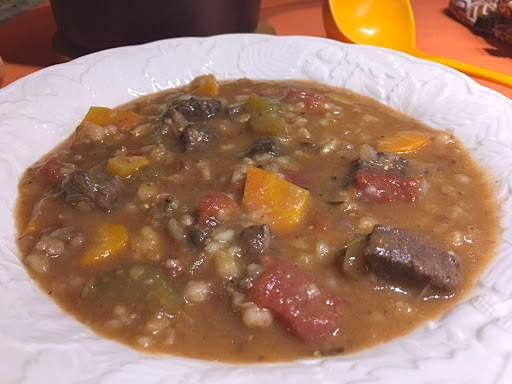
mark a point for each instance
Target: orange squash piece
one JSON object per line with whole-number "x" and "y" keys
{"x": 276, "y": 201}
{"x": 209, "y": 89}
{"x": 107, "y": 240}
{"x": 103, "y": 116}
{"x": 124, "y": 120}
{"x": 125, "y": 166}
{"x": 403, "y": 142}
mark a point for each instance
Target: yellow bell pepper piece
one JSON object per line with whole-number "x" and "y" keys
{"x": 125, "y": 166}
{"x": 209, "y": 89}
{"x": 107, "y": 240}
{"x": 279, "y": 203}
{"x": 403, "y": 142}
{"x": 33, "y": 226}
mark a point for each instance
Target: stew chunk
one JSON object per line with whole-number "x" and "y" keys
{"x": 198, "y": 107}
{"x": 293, "y": 294}
{"x": 371, "y": 161}
{"x": 398, "y": 254}
{"x": 95, "y": 187}
{"x": 195, "y": 137}
{"x": 255, "y": 240}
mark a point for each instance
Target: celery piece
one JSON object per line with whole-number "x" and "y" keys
{"x": 139, "y": 283}
{"x": 257, "y": 103}
{"x": 267, "y": 123}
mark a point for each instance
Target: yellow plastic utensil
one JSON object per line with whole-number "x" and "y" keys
{"x": 389, "y": 24}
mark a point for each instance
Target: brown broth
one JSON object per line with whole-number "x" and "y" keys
{"x": 458, "y": 213}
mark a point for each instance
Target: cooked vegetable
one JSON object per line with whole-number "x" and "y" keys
{"x": 294, "y": 295}
{"x": 277, "y": 202}
{"x": 267, "y": 118}
{"x": 125, "y": 166}
{"x": 34, "y": 225}
{"x": 138, "y": 283}
{"x": 267, "y": 123}
{"x": 312, "y": 101}
{"x": 215, "y": 207}
{"x": 209, "y": 89}
{"x": 125, "y": 120}
{"x": 403, "y": 142}
{"x": 51, "y": 171}
{"x": 107, "y": 240}
{"x": 383, "y": 188}
{"x": 105, "y": 116}
{"x": 257, "y": 103}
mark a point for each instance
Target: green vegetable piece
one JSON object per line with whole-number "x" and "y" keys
{"x": 336, "y": 202}
{"x": 267, "y": 123}
{"x": 147, "y": 173}
{"x": 139, "y": 283}
{"x": 155, "y": 139}
{"x": 257, "y": 103}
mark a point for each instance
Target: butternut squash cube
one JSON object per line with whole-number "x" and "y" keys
{"x": 277, "y": 202}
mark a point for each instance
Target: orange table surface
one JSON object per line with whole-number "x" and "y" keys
{"x": 25, "y": 42}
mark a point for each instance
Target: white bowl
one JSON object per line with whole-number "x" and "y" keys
{"x": 40, "y": 344}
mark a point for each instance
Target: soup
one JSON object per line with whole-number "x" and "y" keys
{"x": 255, "y": 221}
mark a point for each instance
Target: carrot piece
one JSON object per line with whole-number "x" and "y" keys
{"x": 278, "y": 202}
{"x": 403, "y": 142}
{"x": 125, "y": 166}
{"x": 209, "y": 89}
{"x": 107, "y": 240}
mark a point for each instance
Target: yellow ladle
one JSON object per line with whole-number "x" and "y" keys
{"x": 389, "y": 24}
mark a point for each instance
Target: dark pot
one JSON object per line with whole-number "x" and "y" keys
{"x": 100, "y": 24}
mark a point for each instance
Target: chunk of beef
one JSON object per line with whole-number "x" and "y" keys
{"x": 255, "y": 240}
{"x": 194, "y": 137}
{"x": 95, "y": 187}
{"x": 196, "y": 236}
{"x": 397, "y": 254}
{"x": 174, "y": 122}
{"x": 197, "y": 108}
{"x": 264, "y": 145}
{"x": 371, "y": 161}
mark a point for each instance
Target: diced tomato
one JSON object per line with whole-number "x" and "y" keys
{"x": 383, "y": 188}
{"x": 295, "y": 178}
{"x": 311, "y": 100}
{"x": 215, "y": 207}
{"x": 293, "y": 295}
{"x": 51, "y": 171}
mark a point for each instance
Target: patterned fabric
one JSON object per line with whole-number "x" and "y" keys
{"x": 492, "y": 17}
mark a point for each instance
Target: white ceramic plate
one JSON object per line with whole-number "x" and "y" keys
{"x": 40, "y": 344}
